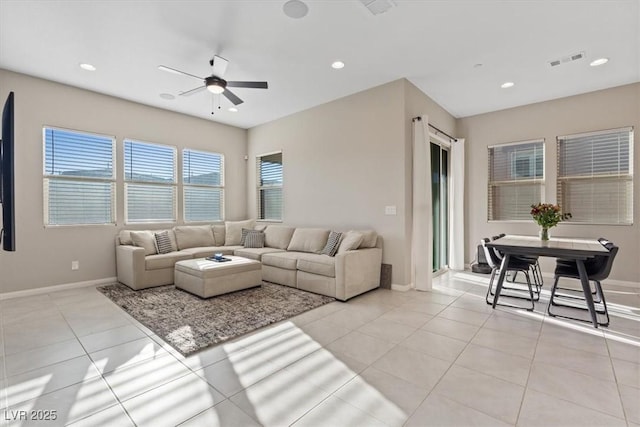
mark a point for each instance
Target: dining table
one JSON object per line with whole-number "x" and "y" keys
{"x": 575, "y": 249}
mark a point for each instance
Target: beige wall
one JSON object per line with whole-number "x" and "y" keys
{"x": 606, "y": 109}
{"x": 346, "y": 160}
{"x": 44, "y": 255}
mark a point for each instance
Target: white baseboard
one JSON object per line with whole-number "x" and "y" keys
{"x": 401, "y": 288}
{"x": 47, "y": 289}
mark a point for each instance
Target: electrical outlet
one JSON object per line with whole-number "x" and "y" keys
{"x": 75, "y": 265}
{"x": 390, "y": 210}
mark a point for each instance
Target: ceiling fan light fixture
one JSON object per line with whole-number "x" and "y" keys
{"x": 87, "y": 67}
{"x": 599, "y": 61}
{"x": 507, "y": 85}
{"x": 337, "y": 65}
{"x": 215, "y": 84}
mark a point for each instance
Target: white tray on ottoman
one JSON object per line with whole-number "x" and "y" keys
{"x": 210, "y": 278}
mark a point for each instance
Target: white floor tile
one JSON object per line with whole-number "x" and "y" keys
{"x": 222, "y": 415}
{"x": 132, "y": 380}
{"x": 417, "y": 368}
{"x": 114, "y": 416}
{"x": 506, "y": 342}
{"x": 361, "y": 347}
{"x": 627, "y": 373}
{"x": 326, "y": 370}
{"x": 110, "y": 338}
{"x": 34, "y": 383}
{"x": 384, "y": 396}
{"x": 337, "y": 413}
{"x": 407, "y": 317}
{"x": 180, "y": 400}
{"x": 70, "y": 404}
{"x": 630, "y": 401}
{"x": 451, "y": 328}
{"x": 439, "y": 411}
{"x": 492, "y": 396}
{"x": 425, "y": 307}
{"x": 464, "y": 316}
{"x": 36, "y": 333}
{"x": 393, "y": 332}
{"x": 539, "y": 409}
{"x": 126, "y": 354}
{"x": 42, "y": 356}
{"x": 577, "y": 360}
{"x": 324, "y": 331}
{"x": 435, "y": 345}
{"x": 492, "y": 362}
{"x": 581, "y": 389}
{"x": 279, "y": 399}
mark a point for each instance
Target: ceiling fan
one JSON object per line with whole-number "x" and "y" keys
{"x": 215, "y": 83}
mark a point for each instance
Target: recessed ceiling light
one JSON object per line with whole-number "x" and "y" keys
{"x": 599, "y": 61}
{"x": 506, "y": 85}
{"x": 233, "y": 109}
{"x": 295, "y": 9}
{"x": 87, "y": 67}
{"x": 478, "y": 65}
{"x": 167, "y": 96}
{"x": 337, "y": 65}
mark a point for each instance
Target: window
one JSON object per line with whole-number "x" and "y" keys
{"x": 203, "y": 178}
{"x": 269, "y": 176}
{"x": 595, "y": 176}
{"x": 79, "y": 178}
{"x": 150, "y": 182}
{"x": 516, "y": 179}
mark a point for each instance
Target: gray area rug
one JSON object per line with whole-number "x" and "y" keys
{"x": 189, "y": 323}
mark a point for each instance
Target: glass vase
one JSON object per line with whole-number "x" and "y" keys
{"x": 544, "y": 234}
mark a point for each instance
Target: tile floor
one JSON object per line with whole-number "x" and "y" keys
{"x": 386, "y": 358}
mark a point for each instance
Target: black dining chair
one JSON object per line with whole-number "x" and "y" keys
{"x": 571, "y": 292}
{"x": 598, "y": 269}
{"x": 534, "y": 267}
{"x": 515, "y": 265}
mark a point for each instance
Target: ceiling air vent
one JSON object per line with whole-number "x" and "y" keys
{"x": 565, "y": 59}
{"x": 377, "y": 7}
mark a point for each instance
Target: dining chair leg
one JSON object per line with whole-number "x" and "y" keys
{"x": 489, "y": 290}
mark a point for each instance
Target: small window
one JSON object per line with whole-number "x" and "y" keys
{"x": 516, "y": 179}
{"x": 150, "y": 182}
{"x": 270, "y": 181}
{"x": 595, "y": 176}
{"x": 203, "y": 190}
{"x": 79, "y": 178}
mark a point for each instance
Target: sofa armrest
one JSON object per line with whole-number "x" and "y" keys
{"x": 130, "y": 265}
{"x": 357, "y": 271}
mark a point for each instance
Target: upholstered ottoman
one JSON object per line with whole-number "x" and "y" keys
{"x": 209, "y": 278}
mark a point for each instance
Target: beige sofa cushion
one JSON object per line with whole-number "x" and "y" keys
{"x": 233, "y": 231}
{"x": 255, "y": 253}
{"x": 351, "y": 240}
{"x": 159, "y": 261}
{"x": 124, "y": 237}
{"x": 310, "y": 240}
{"x": 323, "y": 265}
{"x": 369, "y": 238}
{"x": 144, "y": 239}
{"x": 286, "y": 260}
{"x": 192, "y": 236}
{"x": 278, "y": 236}
{"x": 219, "y": 233}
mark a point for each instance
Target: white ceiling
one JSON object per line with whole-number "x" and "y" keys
{"x": 434, "y": 44}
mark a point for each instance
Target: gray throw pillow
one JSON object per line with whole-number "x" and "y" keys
{"x": 333, "y": 242}
{"x": 254, "y": 239}
{"x": 163, "y": 242}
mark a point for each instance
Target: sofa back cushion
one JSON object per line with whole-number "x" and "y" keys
{"x": 369, "y": 238}
{"x": 144, "y": 239}
{"x": 219, "y": 234}
{"x": 233, "y": 231}
{"x": 193, "y": 236}
{"x": 278, "y": 236}
{"x": 311, "y": 240}
{"x": 351, "y": 240}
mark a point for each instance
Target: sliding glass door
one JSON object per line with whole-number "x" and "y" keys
{"x": 440, "y": 205}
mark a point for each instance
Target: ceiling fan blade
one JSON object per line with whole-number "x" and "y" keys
{"x": 192, "y": 91}
{"x": 219, "y": 66}
{"x": 232, "y": 97}
{"x": 174, "y": 71}
{"x": 254, "y": 85}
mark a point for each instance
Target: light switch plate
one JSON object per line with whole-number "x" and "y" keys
{"x": 389, "y": 210}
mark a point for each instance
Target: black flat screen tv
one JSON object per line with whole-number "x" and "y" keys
{"x": 7, "y": 198}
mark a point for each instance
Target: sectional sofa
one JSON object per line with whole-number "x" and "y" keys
{"x": 290, "y": 256}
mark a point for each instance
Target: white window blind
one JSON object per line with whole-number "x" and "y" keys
{"x": 150, "y": 182}
{"x": 516, "y": 179}
{"x": 595, "y": 176}
{"x": 270, "y": 182}
{"x": 203, "y": 190}
{"x": 79, "y": 178}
